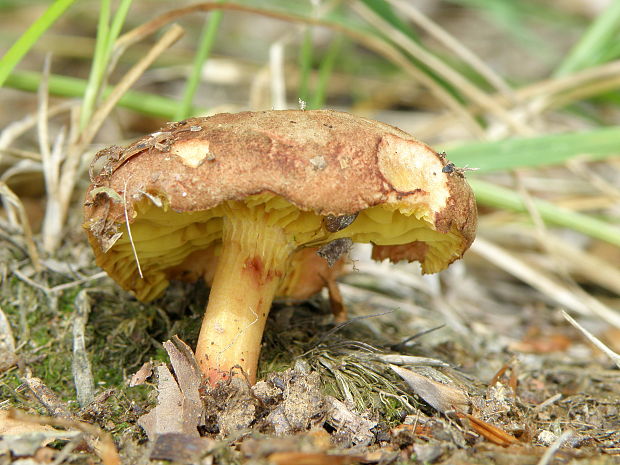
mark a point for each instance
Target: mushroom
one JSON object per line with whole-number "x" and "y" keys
{"x": 236, "y": 199}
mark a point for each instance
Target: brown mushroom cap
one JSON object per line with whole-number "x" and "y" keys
{"x": 170, "y": 185}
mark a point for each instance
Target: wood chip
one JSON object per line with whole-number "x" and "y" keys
{"x": 308, "y": 458}
{"x": 180, "y": 448}
{"x": 47, "y": 398}
{"x": 489, "y": 432}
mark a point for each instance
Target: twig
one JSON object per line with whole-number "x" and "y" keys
{"x": 27, "y": 280}
{"x": 551, "y": 400}
{"x": 339, "y": 326}
{"x": 403, "y": 344}
{"x": 65, "y": 286}
{"x": 80, "y": 365}
{"x": 594, "y": 340}
{"x": 47, "y": 398}
{"x": 16, "y": 129}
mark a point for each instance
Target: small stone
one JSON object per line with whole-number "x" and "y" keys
{"x": 318, "y": 163}
{"x": 546, "y": 438}
{"x": 427, "y": 453}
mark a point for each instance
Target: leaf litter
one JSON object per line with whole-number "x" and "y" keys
{"x": 344, "y": 383}
{"x": 179, "y": 408}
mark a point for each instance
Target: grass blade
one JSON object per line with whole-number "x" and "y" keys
{"x": 325, "y": 71}
{"x": 305, "y": 64}
{"x": 13, "y": 56}
{"x": 500, "y": 197}
{"x": 384, "y": 9}
{"x": 538, "y": 151}
{"x": 65, "y": 86}
{"x": 106, "y": 36}
{"x": 594, "y": 44}
{"x": 206, "y": 44}
{"x": 97, "y": 69}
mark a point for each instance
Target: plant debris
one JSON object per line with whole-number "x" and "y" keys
{"x": 179, "y": 408}
{"x": 440, "y": 396}
{"x": 180, "y": 448}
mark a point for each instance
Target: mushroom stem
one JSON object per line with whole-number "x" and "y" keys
{"x": 254, "y": 257}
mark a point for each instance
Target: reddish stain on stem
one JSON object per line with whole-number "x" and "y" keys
{"x": 256, "y": 268}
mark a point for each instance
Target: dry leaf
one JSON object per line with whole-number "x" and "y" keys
{"x": 140, "y": 376}
{"x": 179, "y": 407}
{"x": 439, "y": 396}
{"x": 167, "y": 416}
{"x": 22, "y": 438}
{"x": 10, "y": 425}
{"x": 100, "y": 441}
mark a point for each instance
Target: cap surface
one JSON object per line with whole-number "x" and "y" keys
{"x": 324, "y": 162}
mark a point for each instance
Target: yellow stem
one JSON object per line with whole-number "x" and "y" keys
{"x": 253, "y": 260}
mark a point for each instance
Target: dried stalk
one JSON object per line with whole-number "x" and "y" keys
{"x": 56, "y": 216}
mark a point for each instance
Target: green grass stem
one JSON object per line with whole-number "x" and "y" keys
{"x": 552, "y": 149}
{"x": 305, "y": 64}
{"x": 207, "y": 39}
{"x": 325, "y": 71}
{"x": 97, "y": 68}
{"x": 25, "y": 42}
{"x": 107, "y": 33}
{"x": 592, "y": 48}
{"x": 499, "y": 197}
{"x": 65, "y": 86}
